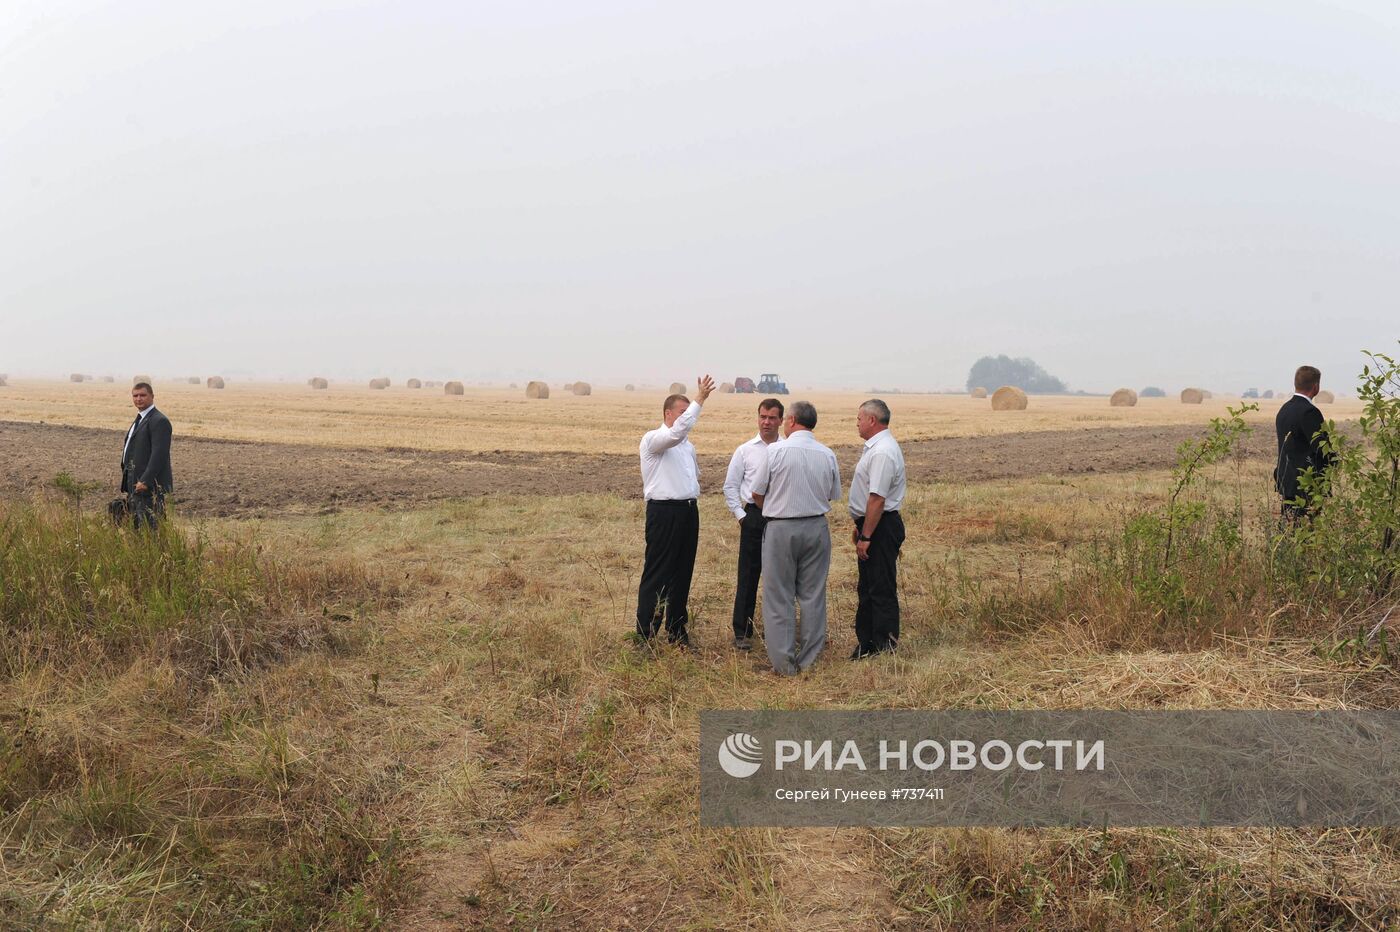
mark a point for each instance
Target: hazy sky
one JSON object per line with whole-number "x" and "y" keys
{"x": 847, "y": 193}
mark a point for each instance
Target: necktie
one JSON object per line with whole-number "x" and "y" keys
{"x": 129, "y": 434}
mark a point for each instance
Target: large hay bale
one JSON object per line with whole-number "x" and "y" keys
{"x": 319, "y": 382}
{"x": 192, "y": 380}
{"x": 536, "y": 390}
{"x": 1207, "y": 395}
{"x": 108, "y": 378}
{"x": 75, "y": 377}
{"x": 979, "y": 392}
{"x": 3, "y": 381}
{"x": 414, "y": 383}
{"x": 1325, "y": 397}
{"x": 138, "y": 379}
{"x": 629, "y": 387}
{"x": 568, "y": 386}
{"x": 677, "y": 388}
{"x": 1009, "y": 398}
{"x": 726, "y": 388}
{"x": 454, "y": 388}
{"x": 582, "y": 388}
{"x": 215, "y": 381}
{"x": 1268, "y": 393}
{"x": 379, "y": 384}
{"x": 1123, "y": 398}
{"x": 1192, "y": 396}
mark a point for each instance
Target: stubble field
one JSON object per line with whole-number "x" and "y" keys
{"x": 427, "y": 713}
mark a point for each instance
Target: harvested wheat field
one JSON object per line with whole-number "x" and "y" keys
{"x": 389, "y": 684}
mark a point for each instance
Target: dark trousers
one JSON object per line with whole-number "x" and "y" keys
{"x": 673, "y": 534}
{"x": 147, "y": 508}
{"x": 877, "y": 590}
{"x": 750, "y": 568}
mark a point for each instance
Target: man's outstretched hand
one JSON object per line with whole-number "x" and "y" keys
{"x": 704, "y": 386}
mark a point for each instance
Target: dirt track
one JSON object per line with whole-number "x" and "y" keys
{"x": 224, "y": 477}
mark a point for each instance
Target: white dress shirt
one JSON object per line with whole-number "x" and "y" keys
{"x": 137, "y": 421}
{"x": 669, "y": 470}
{"x": 799, "y": 478}
{"x": 744, "y": 465}
{"x": 881, "y": 471}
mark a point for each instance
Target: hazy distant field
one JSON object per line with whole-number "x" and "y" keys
{"x": 608, "y": 421}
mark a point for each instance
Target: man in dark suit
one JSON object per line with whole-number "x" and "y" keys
{"x": 1299, "y": 442}
{"x": 146, "y": 475}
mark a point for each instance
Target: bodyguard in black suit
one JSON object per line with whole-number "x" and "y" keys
{"x": 1299, "y": 447}
{"x": 146, "y": 475}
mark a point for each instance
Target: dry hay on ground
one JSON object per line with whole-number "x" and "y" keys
{"x": 582, "y": 388}
{"x": 1123, "y": 398}
{"x": 979, "y": 392}
{"x": 454, "y": 388}
{"x": 75, "y": 377}
{"x": 536, "y": 390}
{"x": 677, "y": 388}
{"x": 379, "y": 383}
{"x": 1009, "y": 398}
{"x": 319, "y": 382}
{"x": 214, "y": 381}
{"x": 414, "y": 383}
{"x": 138, "y": 379}
{"x": 726, "y": 388}
{"x": 1192, "y": 396}
{"x": 1325, "y": 397}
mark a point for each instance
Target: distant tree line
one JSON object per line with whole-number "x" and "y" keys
{"x": 992, "y": 372}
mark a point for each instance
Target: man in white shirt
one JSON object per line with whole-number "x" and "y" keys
{"x": 877, "y": 492}
{"x": 671, "y": 485}
{"x": 744, "y": 466}
{"x": 795, "y": 487}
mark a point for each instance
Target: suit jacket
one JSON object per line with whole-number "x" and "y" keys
{"x": 1297, "y": 424}
{"x": 147, "y": 455}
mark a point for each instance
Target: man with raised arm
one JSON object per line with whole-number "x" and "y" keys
{"x": 671, "y": 486}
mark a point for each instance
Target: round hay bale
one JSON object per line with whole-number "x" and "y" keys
{"x": 726, "y": 388}
{"x": 568, "y": 386}
{"x": 514, "y": 385}
{"x": 677, "y": 388}
{"x": 215, "y": 381}
{"x": 192, "y": 380}
{"x": 582, "y": 388}
{"x": 979, "y": 392}
{"x": 536, "y": 390}
{"x": 3, "y": 381}
{"x": 1325, "y": 397}
{"x": 454, "y": 388}
{"x": 1207, "y": 395}
{"x": 1009, "y": 398}
{"x": 319, "y": 383}
{"x": 414, "y": 383}
{"x": 379, "y": 384}
{"x": 108, "y": 378}
{"x": 1192, "y": 396}
{"x": 137, "y": 379}
{"x": 1268, "y": 393}
{"x": 629, "y": 387}
{"x": 75, "y": 377}
{"x": 1123, "y": 398}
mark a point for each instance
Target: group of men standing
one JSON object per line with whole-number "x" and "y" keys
{"x": 780, "y": 491}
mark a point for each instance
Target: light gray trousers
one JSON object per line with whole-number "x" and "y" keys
{"x": 796, "y": 560}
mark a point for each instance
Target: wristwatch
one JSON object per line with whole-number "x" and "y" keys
{"x": 861, "y": 537}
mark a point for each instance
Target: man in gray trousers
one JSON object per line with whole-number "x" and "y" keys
{"x": 795, "y": 487}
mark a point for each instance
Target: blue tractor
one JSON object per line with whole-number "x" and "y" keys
{"x": 770, "y": 384}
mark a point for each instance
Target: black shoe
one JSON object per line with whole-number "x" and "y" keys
{"x": 861, "y": 653}
{"x": 743, "y": 643}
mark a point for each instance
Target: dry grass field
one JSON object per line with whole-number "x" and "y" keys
{"x": 428, "y": 715}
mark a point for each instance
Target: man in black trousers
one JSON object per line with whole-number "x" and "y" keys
{"x": 744, "y": 466}
{"x": 146, "y": 474}
{"x": 1299, "y": 442}
{"x": 877, "y": 492}
{"x": 671, "y": 486}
